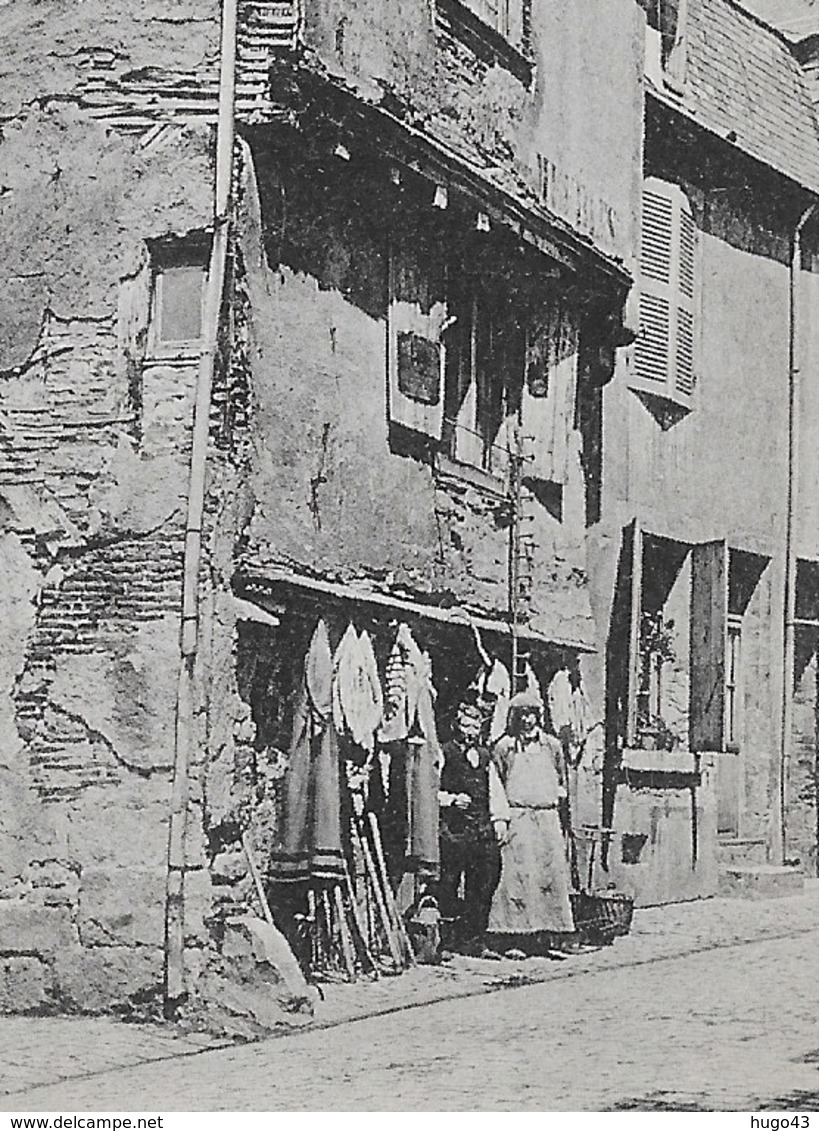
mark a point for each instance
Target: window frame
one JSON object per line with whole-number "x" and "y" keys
{"x": 161, "y": 346}
{"x": 500, "y": 20}
{"x": 733, "y": 684}
{"x": 166, "y": 256}
{"x": 473, "y": 437}
{"x": 508, "y": 47}
{"x": 446, "y": 295}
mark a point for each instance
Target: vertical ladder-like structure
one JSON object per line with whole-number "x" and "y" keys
{"x": 268, "y": 29}
{"x": 521, "y": 559}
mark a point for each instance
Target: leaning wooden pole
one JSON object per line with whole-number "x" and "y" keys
{"x": 184, "y": 736}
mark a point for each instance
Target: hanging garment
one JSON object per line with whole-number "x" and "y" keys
{"x": 570, "y": 712}
{"x": 532, "y": 684}
{"x": 423, "y": 777}
{"x": 581, "y": 722}
{"x": 560, "y": 700}
{"x": 499, "y": 685}
{"x": 310, "y": 846}
{"x": 358, "y": 704}
{"x": 492, "y": 685}
{"x": 409, "y": 735}
{"x": 533, "y": 893}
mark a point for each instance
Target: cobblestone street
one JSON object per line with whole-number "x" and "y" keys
{"x": 709, "y": 1005}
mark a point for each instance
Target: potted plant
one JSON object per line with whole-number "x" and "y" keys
{"x": 656, "y": 734}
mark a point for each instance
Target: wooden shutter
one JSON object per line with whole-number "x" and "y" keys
{"x": 664, "y": 352}
{"x": 550, "y": 392}
{"x": 134, "y": 308}
{"x": 633, "y": 545}
{"x": 683, "y": 331}
{"x": 416, "y": 317}
{"x": 709, "y": 642}
{"x": 623, "y": 647}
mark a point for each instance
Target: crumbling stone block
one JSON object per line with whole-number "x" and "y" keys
{"x": 141, "y": 838}
{"x": 228, "y": 867}
{"x": 198, "y": 905}
{"x": 92, "y": 980}
{"x": 23, "y": 984}
{"x": 122, "y": 907}
{"x": 26, "y": 929}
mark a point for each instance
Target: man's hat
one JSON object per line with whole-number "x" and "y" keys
{"x": 526, "y": 701}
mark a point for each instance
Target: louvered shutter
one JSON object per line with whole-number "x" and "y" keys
{"x": 416, "y": 317}
{"x": 664, "y": 353}
{"x": 709, "y": 642}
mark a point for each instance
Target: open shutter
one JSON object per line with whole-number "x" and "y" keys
{"x": 416, "y": 318}
{"x": 633, "y": 545}
{"x": 664, "y": 352}
{"x": 623, "y": 648}
{"x": 550, "y": 392}
{"x": 622, "y": 660}
{"x": 709, "y": 641}
{"x": 134, "y": 308}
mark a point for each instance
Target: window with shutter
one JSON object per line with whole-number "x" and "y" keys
{"x": 722, "y": 583}
{"x": 665, "y": 351}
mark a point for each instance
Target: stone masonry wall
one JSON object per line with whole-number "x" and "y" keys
{"x": 91, "y": 517}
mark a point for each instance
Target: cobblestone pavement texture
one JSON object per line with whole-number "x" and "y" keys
{"x": 709, "y": 1005}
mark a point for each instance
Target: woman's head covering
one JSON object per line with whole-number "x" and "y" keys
{"x": 520, "y": 704}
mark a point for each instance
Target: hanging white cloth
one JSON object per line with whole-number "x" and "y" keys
{"x": 560, "y": 700}
{"x": 570, "y": 712}
{"x": 532, "y": 683}
{"x": 358, "y": 702}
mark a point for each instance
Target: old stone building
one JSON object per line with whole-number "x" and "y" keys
{"x": 325, "y": 315}
{"x": 709, "y": 467}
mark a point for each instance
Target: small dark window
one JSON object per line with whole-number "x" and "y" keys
{"x": 178, "y": 298}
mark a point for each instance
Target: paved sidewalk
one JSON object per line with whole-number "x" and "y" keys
{"x": 38, "y": 1051}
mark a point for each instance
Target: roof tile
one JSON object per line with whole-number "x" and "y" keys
{"x": 743, "y": 78}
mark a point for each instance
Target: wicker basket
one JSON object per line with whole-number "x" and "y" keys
{"x": 599, "y": 917}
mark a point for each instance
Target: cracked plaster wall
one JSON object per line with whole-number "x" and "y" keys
{"x": 91, "y": 542}
{"x": 331, "y": 495}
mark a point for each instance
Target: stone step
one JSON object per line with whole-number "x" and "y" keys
{"x": 741, "y": 850}
{"x": 759, "y": 881}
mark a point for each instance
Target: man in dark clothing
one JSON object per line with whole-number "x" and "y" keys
{"x": 474, "y": 819}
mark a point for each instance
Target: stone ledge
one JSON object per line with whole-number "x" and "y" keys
{"x": 764, "y": 881}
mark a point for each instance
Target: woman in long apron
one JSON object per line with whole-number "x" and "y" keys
{"x": 531, "y": 904}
